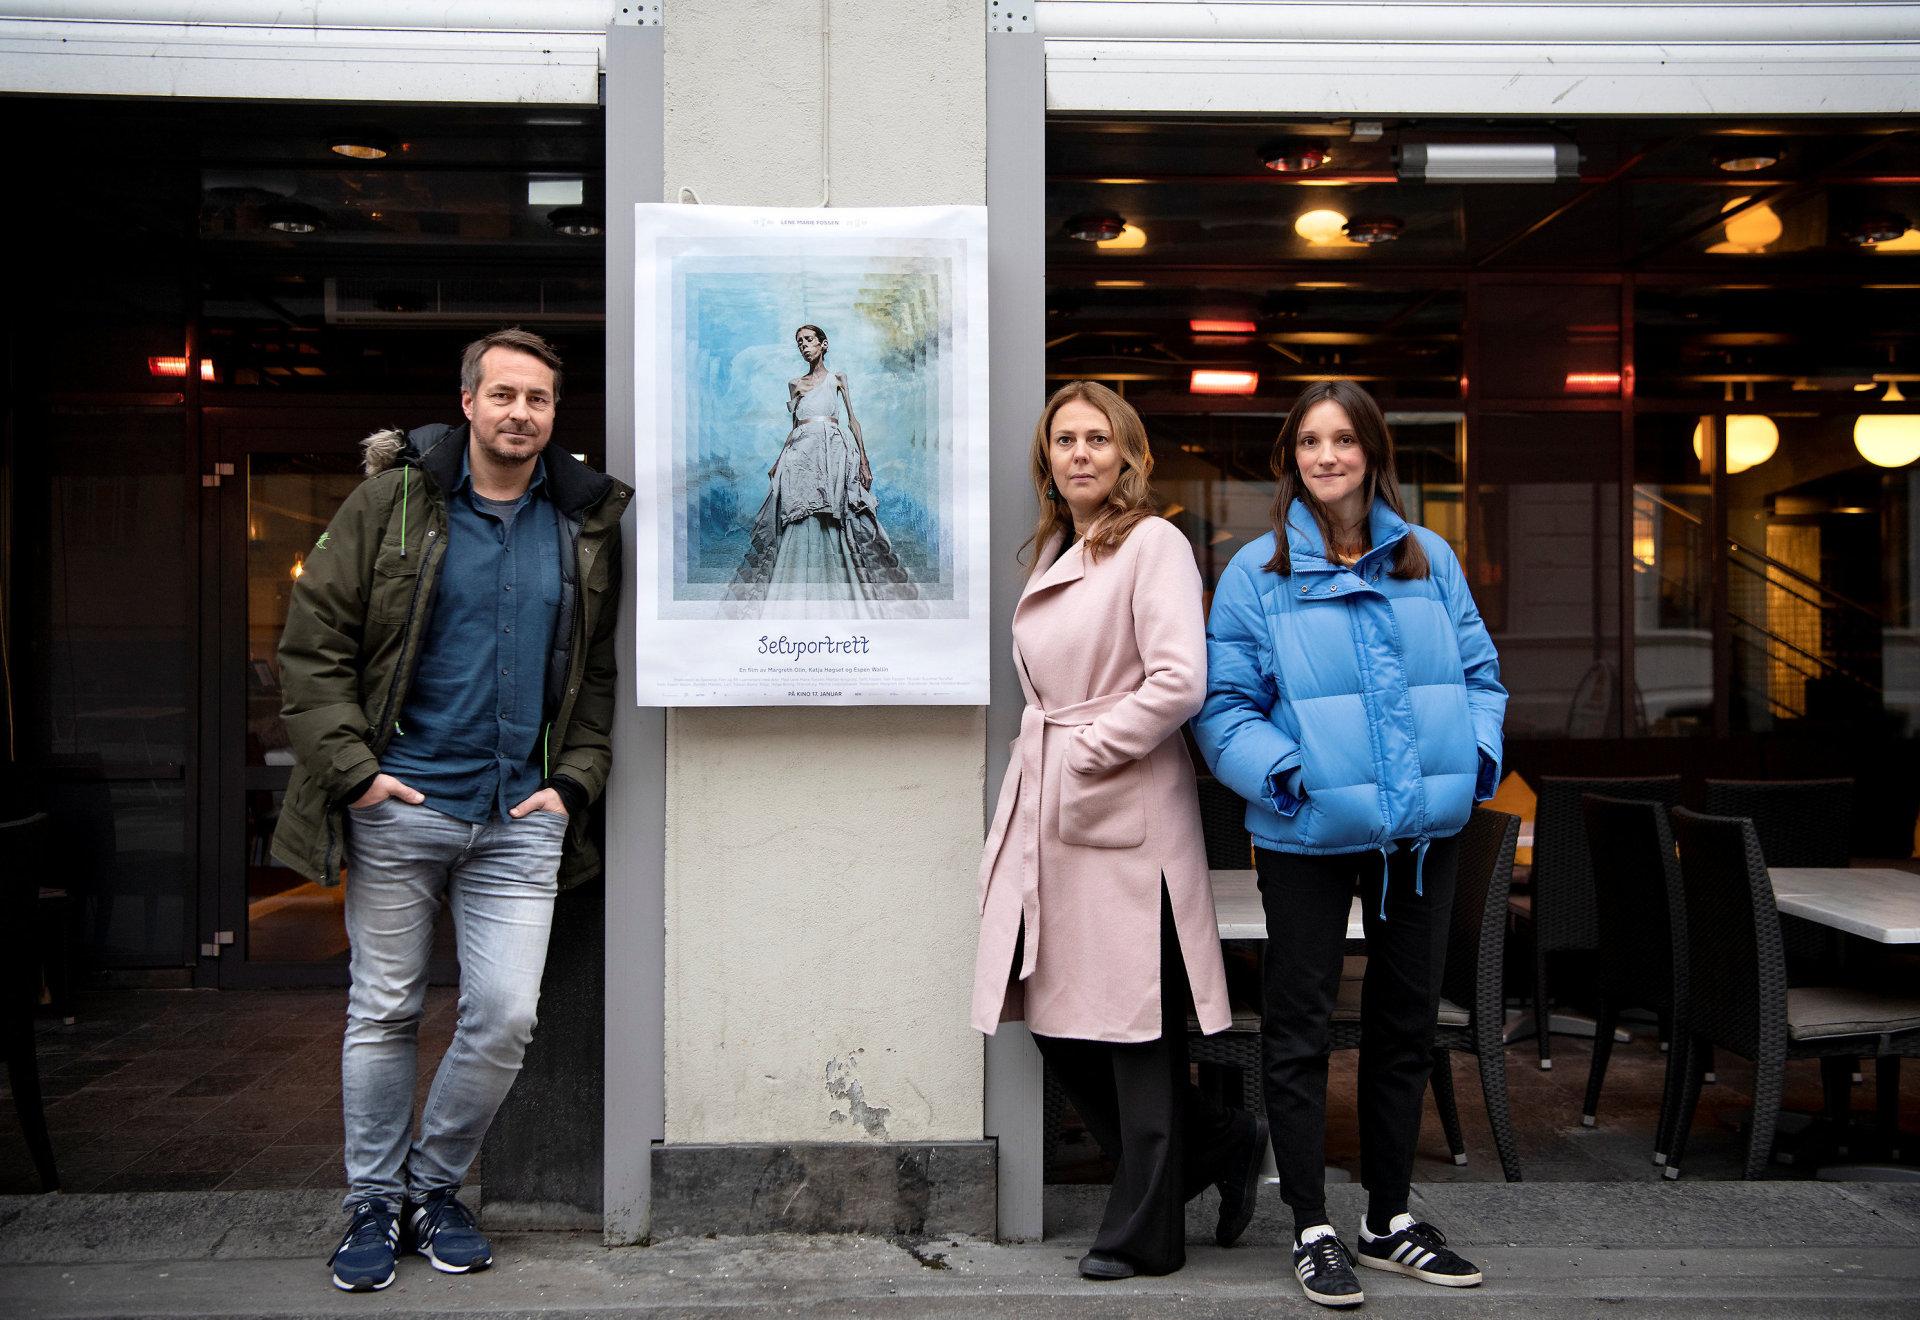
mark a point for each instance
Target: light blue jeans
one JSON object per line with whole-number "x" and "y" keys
{"x": 500, "y": 879}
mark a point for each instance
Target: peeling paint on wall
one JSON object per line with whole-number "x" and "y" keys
{"x": 844, "y": 1086}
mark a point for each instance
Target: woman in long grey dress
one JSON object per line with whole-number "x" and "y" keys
{"x": 817, "y": 544}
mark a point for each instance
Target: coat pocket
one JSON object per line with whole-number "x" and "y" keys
{"x": 394, "y": 578}
{"x": 1104, "y": 809}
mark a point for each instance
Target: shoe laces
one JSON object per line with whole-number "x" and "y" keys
{"x": 445, "y": 1209}
{"x": 1329, "y": 1255}
{"x": 1425, "y": 1234}
{"x": 372, "y": 1224}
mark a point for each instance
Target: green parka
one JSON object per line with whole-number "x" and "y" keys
{"x": 359, "y": 615}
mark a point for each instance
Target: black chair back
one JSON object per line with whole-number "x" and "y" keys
{"x": 1801, "y": 822}
{"x": 1640, "y": 901}
{"x": 1564, "y": 914}
{"x": 1223, "y": 823}
{"x": 1736, "y": 966}
{"x": 1477, "y": 933}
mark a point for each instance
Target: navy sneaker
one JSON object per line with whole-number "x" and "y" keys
{"x": 1419, "y": 1250}
{"x": 363, "y": 1262}
{"x": 1325, "y": 1270}
{"x": 442, "y": 1230}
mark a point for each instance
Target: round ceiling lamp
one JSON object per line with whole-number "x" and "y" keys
{"x": 1748, "y": 156}
{"x": 1295, "y": 155}
{"x": 576, "y": 221}
{"x": 1752, "y": 439}
{"x": 293, "y": 218}
{"x": 360, "y": 144}
{"x": 1096, "y": 226}
{"x": 1753, "y": 230}
{"x": 1129, "y": 237}
{"x": 1370, "y": 229}
{"x": 1888, "y": 441}
{"x": 1879, "y": 227}
{"x": 1321, "y": 228}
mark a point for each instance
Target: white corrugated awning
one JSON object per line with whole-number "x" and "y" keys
{"x": 1393, "y": 57}
{"x": 539, "y": 51}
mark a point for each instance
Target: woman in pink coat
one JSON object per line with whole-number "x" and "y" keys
{"x": 1096, "y": 912}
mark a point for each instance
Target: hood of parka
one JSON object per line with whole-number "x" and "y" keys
{"x": 437, "y": 449}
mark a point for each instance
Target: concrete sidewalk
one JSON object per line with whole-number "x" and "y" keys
{"x": 1548, "y": 1249}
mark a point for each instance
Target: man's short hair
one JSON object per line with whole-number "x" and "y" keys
{"x": 520, "y": 341}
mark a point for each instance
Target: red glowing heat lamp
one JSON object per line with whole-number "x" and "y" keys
{"x": 1223, "y": 382}
{"x": 1206, "y": 327}
{"x": 177, "y": 366}
{"x": 1593, "y": 382}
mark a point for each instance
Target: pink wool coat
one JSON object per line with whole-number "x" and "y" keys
{"x": 1099, "y": 801}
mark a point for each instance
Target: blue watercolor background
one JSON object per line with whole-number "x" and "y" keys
{"x": 889, "y": 331}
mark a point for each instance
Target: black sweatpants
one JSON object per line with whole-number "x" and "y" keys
{"x": 1168, "y": 1140}
{"x": 1306, "y": 900}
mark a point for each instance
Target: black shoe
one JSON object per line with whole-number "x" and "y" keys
{"x": 1104, "y": 1265}
{"x": 1325, "y": 1271}
{"x": 444, "y": 1232}
{"x": 1419, "y": 1250}
{"x": 1241, "y": 1187}
{"x": 363, "y": 1262}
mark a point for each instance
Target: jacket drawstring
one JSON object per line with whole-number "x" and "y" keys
{"x": 1420, "y": 846}
{"x": 405, "y": 473}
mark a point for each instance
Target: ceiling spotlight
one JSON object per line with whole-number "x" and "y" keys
{"x": 360, "y": 144}
{"x": 1746, "y": 157}
{"x": 1096, "y": 227}
{"x": 576, "y": 221}
{"x": 1206, "y": 381}
{"x": 1489, "y": 162}
{"x": 293, "y": 218}
{"x": 1295, "y": 155}
{"x": 1374, "y": 228}
{"x": 1879, "y": 227}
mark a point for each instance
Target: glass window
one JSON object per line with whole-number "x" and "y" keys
{"x": 1672, "y": 561}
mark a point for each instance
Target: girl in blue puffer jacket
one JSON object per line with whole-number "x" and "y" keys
{"x": 1354, "y": 701}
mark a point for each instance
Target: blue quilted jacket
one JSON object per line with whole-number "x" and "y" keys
{"x": 1352, "y": 710}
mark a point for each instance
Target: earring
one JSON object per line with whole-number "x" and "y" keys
{"x": 1053, "y": 492}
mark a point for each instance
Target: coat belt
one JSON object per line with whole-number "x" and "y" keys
{"x": 1033, "y": 732}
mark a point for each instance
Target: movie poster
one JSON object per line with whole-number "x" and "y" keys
{"x": 811, "y": 434}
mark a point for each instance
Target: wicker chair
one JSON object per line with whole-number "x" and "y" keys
{"x": 1560, "y": 910}
{"x": 1800, "y": 822}
{"x": 1642, "y": 937}
{"x": 1476, "y": 955}
{"x": 23, "y": 856}
{"x": 1737, "y": 993}
{"x": 1223, "y": 823}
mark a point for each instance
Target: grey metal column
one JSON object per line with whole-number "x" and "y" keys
{"x": 636, "y": 807}
{"x": 1017, "y": 272}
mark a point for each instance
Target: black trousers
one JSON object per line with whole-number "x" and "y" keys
{"x": 1306, "y": 901}
{"x": 1167, "y": 1139}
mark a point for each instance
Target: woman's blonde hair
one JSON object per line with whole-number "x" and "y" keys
{"x": 1128, "y": 503}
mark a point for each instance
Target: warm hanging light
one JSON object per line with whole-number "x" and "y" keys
{"x": 1130, "y": 236}
{"x": 1205, "y": 326}
{"x": 1875, "y": 229}
{"x": 1592, "y": 382}
{"x": 1751, "y": 440}
{"x": 1322, "y": 228}
{"x": 1374, "y": 229}
{"x": 177, "y": 366}
{"x": 1753, "y": 230}
{"x": 1888, "y": 441}
{"x": 1095, "y": 226}
{"x": 360, "y": 144}
{"x": 1205, "y": 381}
{"x": 1748, "y": 156}
{"x": 1295, "y": 155}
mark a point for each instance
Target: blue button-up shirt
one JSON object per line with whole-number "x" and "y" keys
{"x": 471, "y": 729}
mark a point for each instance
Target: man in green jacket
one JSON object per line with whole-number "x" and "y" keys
{"x": 448, "y": 666}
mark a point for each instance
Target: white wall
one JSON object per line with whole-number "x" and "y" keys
{"x": 820, "y": 863}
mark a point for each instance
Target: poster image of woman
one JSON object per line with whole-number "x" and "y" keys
{"x": 817, "y": 539}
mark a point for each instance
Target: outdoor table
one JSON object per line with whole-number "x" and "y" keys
{"x": 1236, "y": 902}
{"x": 1875, "y": 903}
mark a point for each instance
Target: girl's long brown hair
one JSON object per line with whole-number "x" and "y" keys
{"x": 1376, "y": 442}
{"x": 1128, "y": 503}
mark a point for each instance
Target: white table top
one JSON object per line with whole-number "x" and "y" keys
{"x": 1875, "y": 903}
{"x": 1236, "y": 902}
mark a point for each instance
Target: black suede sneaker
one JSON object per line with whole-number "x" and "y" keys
{"x": 363, "y": 1262}
{"x": 1104, "y": 1265}
{"x": 1419, "y": 1250}
{"x": 1325, "y": 1271}
{"x": 443, "y": 1230}
{"x": 1241, "y": 1187}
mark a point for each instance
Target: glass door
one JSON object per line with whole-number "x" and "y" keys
{"x": 283, "y": 477}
